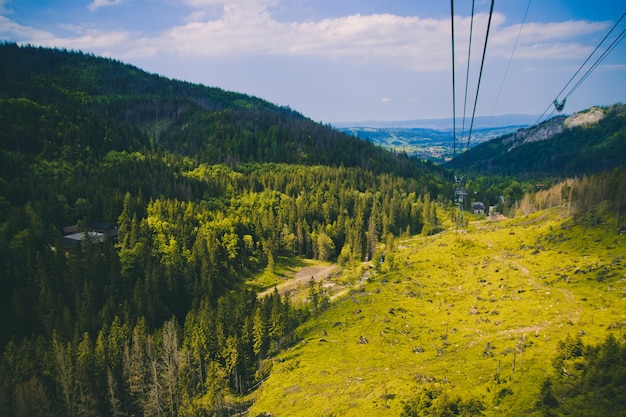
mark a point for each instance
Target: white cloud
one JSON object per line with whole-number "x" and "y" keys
{"x": 612, "y": 67}
{"x": 230, "y": 10}
{"x": 12, "y": 30}
{"x": 88, "y": 40}
{"x": 544, "y": 41}
{"x": 385, "y": 100}
{"x": 224, "y": 28}
{"x": 107, "y": 42}
{"x": 418, "y": 43}
{"x": 96, "y": 4}
{"x": 413, "y": 42}
{"x": 247, "y": 4}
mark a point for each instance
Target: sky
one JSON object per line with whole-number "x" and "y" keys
{"x": 351, "y": 60}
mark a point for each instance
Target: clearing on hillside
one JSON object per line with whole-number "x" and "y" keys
{"x": 475, "y": 318}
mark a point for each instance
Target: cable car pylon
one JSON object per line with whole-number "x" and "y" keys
{"x": 459, "y": 199}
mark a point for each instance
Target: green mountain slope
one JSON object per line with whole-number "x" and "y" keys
{"x": 558, "y": 148}
{"x": 466, "y": 322}
{"x": 214, "y": 125}
{"x": 87, "y": 140}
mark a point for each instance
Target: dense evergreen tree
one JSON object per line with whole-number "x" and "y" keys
{"x": 588, "y": 380}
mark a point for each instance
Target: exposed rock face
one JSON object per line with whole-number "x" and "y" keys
{"x": 553, "y": 127}
{"x": 542, "y": 132}
{"x": 592, "y": 116}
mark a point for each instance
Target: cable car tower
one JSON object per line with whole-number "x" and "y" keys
{"x": 459, "y": 199}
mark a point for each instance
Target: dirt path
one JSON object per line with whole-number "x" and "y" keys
{"x": 302, "y": 278}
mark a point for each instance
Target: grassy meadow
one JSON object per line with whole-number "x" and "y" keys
{"x": 478, "y": 314}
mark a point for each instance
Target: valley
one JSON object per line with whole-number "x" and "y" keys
{"x": 434, "y": 145}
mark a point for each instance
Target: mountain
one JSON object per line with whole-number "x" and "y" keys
{"x": 590, "y": 141}
{"x": 208, "y": 122}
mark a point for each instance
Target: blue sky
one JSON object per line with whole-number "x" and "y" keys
{"x": 346, "y": 60}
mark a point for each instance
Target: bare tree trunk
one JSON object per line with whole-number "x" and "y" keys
{"x": 153, "y": 406}
{"x": 64, "y": 377}
{"x": 114, "y": 401}
{"x": 170, "y": 364}
{"x": 135, "y": 367}
{"x": 514, "y": 358}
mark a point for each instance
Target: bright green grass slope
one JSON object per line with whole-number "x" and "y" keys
{"x": 460, "y": 308}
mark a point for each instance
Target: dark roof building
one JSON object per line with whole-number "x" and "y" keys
{"x": 74, "y": 240}
{"x": 478, "y": 208}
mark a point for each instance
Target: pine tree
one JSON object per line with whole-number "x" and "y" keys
{"x": 260, "y": 333}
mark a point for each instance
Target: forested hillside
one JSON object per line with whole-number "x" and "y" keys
{"x": 553, "y": 150}
{"x": 140, "y": 218}
{"x": 181, "y": 195}
{"x": 209, "y": 123}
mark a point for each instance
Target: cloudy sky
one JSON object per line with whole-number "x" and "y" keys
{"x": 348, "y": 60}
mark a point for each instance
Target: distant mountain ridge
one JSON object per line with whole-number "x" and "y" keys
{"x": 590, "y": 141}
{"x": 446, "y": 123}
{"x": 432, "y": 139}
{"x": 429, "y": 144}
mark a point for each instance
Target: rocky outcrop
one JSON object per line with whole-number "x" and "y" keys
{"x": 589, "y": 117}
{"x": 552, "y": 127}
{"x": 539, "y": 133}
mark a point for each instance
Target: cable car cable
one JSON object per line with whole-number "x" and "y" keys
{"x": 508, "y": 66}
{"x": 582, "y": 65}
{"x": 453, "y": 90}
{"x": 467, "y": 72}
{"x": 615, "y": 42}
{"x": 480, "y": 74}
{"x": 592, "y": 53}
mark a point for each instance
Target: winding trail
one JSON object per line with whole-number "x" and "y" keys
{"x": 302, "y": 278}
